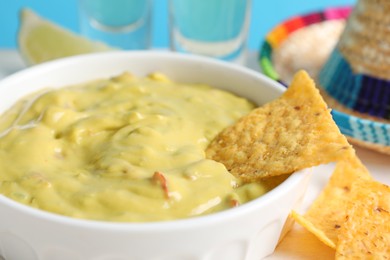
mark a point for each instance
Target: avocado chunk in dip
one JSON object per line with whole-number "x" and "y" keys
{"x": 123, "y": 149}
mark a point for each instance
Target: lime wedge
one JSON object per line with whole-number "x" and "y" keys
{"x": 40, "y": 40}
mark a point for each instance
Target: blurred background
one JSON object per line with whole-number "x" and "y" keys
{"x": 265, "y": 15}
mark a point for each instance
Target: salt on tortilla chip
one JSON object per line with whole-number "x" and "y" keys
{"x": 366, "y": 231}
{"x": 293, "y": 132}
{"x": 327, "y": 214}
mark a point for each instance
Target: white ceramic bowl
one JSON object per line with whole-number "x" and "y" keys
{"x": 250, "y": 231}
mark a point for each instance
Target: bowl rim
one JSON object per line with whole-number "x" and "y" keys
{"x": 165, "y": 225}
{"x": 50, "y": 65}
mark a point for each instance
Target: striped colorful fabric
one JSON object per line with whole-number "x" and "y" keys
{"x": 362, "y": 129}
{"x": 277, "y": 35}
{"x": 359, "y": 92}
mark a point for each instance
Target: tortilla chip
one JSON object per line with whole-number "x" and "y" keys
{"x": 293, "y": 132}
{"x": 327, "y": 214}
{"x": 272, "y": 182}
{"x": 320, "y": 234}
{"x": 366, "y": 231}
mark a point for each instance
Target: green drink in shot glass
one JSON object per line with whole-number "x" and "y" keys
{"x": 124, "y": 24}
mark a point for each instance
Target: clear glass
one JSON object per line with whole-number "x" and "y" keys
{"x": 124, "y": 24}
{"x": 215, "y": 28}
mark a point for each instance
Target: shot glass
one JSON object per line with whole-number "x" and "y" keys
{"x": 124, "y": 24}
{"x": 215, "y": 28}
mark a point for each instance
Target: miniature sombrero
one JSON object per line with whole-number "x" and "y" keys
{"x": 356, "y": 77}
{"x": 293, "y": 44}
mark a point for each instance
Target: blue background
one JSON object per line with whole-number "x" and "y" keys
{"x": 265, "y": 15}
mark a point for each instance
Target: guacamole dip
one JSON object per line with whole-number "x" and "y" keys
{"x": 121, "y": 149}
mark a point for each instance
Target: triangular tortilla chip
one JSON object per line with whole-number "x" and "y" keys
{"x": 366, "y": 231}
{"x": 327, "y": 214}
{"x": 293, "y": 132}
{"x": 313, "y": 228}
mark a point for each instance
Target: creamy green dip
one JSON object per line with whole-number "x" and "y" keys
{"x": 121, "y": 149}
